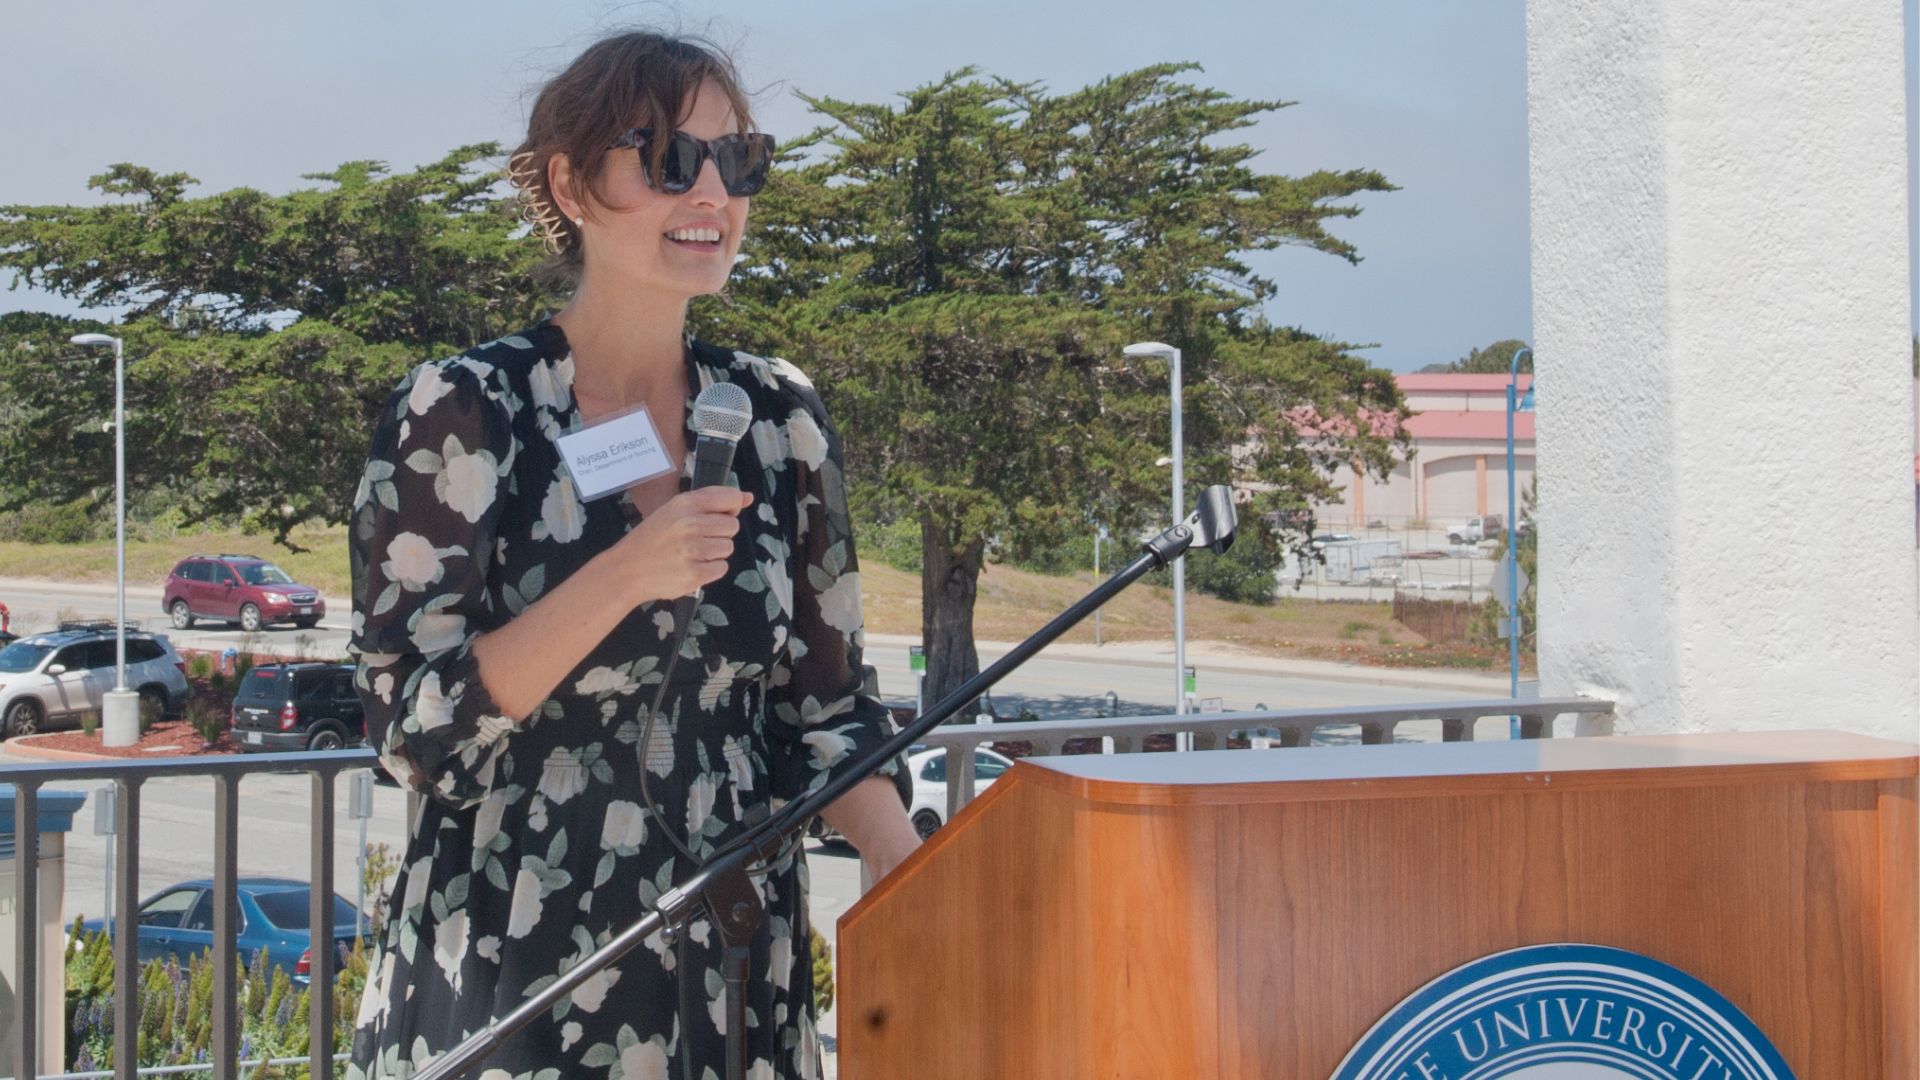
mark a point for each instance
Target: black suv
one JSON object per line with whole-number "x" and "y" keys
{"x": 282, "y": 707}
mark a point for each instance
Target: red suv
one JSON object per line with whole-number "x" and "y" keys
{"x": 238, "y": 589}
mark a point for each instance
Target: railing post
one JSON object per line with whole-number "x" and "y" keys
{"x": 26, "y": 910}
{"x": 320, "y": 931}
{"x": 126, "y": 932}
{"x": 226, "y": 926}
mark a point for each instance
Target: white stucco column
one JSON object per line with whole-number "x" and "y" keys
{"x": 1726, "y": 434}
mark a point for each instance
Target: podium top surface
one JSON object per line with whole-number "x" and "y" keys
{"x": 1533, "y": 764}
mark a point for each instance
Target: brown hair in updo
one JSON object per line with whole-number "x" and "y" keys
{"x": 634, "y": 79}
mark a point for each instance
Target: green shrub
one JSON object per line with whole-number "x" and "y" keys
{"x": 151, "y": 712}
{"x": 1074, "y": 555}
{"x": 243, "y": 661}
{"x": 896, "y": 543}
{"x": 822, "y": 971}
{"x": 176, "y": 1008}
{"x": 200, "y": 667}
{"x": 54, "y": 523}
{"x": 206, "y": 719}
{"x": 1244, "y": 575}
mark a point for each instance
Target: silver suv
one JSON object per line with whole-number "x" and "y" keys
{"x": 58, "y": 677}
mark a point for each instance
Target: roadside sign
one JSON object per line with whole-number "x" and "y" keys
{"x": 1500, "y": 584}
{"x": 916, "y": 658}
{"x": 1193, "y": 680}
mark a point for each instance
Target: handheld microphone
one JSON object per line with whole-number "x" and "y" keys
{"x": 721, "y": 416}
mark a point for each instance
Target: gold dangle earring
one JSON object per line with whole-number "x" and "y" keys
{"x": 538, "y": 212}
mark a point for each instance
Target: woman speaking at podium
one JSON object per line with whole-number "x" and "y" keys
{"x": 513, "y": 627}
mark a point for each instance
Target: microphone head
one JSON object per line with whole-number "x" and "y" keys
{"x": 722, "y": 411}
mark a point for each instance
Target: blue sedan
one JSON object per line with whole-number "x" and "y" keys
{"x": 178, "y": 921}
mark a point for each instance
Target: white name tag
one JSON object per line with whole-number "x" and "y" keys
{"x": 614, "y": 454}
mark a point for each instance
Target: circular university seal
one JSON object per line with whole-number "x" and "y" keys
{"x": 1565, "y": 1012}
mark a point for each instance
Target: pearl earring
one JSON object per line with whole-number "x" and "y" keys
{"x": 579, "y": 222}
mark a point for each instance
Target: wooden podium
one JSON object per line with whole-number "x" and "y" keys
{"x": 1253, "y": 913}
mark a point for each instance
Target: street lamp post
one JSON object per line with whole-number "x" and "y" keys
{"x": 1512, "y": 568}
{"x": 120, "y": 711}
{"x": 1183, "y": 740}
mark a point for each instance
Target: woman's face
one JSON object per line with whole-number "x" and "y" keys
{"x": 626, "y": 235}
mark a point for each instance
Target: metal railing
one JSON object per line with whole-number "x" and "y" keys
{"x": 128, "y": 776}
{"x": 1294, "y": 728}
{"x": 184, "y": 1070}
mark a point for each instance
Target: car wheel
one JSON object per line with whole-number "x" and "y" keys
{"x": 250, "y": 618}
{"x": 182, "y": 615}
{"x": 326, "y": 739}
{"x": 926, "y": 823}
{"x": 154, "y": 698}
{"x": 22, "y": 718}
{"x": 306, "y": 624}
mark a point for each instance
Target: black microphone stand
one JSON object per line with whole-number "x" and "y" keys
{"x": 723, "y": 885}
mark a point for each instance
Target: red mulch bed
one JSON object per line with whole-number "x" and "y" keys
{"x": 168, "y": 738}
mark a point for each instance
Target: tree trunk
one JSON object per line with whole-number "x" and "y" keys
{"x": 949, "y": 580}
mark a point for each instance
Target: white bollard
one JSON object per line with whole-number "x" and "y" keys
{"x": 120, "y": 718}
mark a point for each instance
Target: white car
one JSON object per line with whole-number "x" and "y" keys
{"x": 58, "y": 677}
{"x": 929, "y": 771}
{"x": 1472, "y": 532}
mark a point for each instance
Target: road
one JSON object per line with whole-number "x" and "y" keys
{"x": 1063, "y": 682}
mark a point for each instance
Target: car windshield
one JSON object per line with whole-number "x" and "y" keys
{"x": 287, "y": 909}
{"x": 22, "y": 656}
{"x": 264, "y": 574}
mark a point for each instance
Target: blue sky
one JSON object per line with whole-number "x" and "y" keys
{"x": 1431, "y": 94}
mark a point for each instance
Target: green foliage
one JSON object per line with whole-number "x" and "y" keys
{"x": 822, "y": 954}
{"x": 150, "y": 714}
{"x": 207, "y": 719}
{"x": 959, "y": 272}
{"x": 176, "y": 1007}
{"x": 376, "y": 876}
{"x": 1071, "y": 554}
{"x": 1485, "y": 626}
{"x": 243, "y": 659}
{"x": 200, "y": 669}
{"x": 70, "y": 522}
{"x": 1244, "y": 575}
{"x": 263, "y": 333}
{"x": 896, "y": 543}
{"x": 1495, "y": 359}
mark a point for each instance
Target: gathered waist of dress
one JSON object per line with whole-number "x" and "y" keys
{"x": 687, "y": 720}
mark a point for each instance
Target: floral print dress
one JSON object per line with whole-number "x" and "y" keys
{"x": 533, "y": 845}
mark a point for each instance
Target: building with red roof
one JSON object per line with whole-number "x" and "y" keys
{"x": 1458, "y": 465}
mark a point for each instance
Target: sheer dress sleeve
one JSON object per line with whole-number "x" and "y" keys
{"x": 421, "y": 541}
{"x": 823, "y": 720}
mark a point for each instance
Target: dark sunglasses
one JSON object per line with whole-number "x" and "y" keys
{"x": 742, "y": 160}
